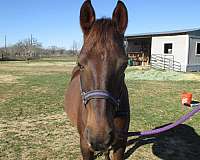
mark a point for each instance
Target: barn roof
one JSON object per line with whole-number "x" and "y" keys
{"x": 166, "y": 33}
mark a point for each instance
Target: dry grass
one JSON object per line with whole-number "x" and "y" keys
{"x": 4, "y": 97}
{"x": 146, "y": 73}
{"x": 39, "y": 138}
{"x": 30, "y": 126}
{"x": 36, "y": 68}
{"x": 33, "y": 125}
{"x": 8, "y": 79}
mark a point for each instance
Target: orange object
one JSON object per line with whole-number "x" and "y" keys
{"x": 186, "y": 98}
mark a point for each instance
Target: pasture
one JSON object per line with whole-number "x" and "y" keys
{"x": 34, "y": 126}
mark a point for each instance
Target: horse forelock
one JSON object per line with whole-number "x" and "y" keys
{"x": 102, "y": 38}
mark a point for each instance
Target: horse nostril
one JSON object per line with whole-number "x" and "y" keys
{"x": 98, "y": 146}
{"x": 109, "y": 138}
{"x": 110, "y": 133}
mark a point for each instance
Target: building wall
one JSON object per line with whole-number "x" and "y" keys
{"x": 179, "y": 51}
{"x": 194, "y": 60}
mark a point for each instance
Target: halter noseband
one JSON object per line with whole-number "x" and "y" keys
{"x": 98, "y": 94}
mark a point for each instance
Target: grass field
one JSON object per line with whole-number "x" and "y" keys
{"x": 33, "y": 125}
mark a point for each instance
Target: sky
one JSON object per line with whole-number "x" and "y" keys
{"x": 56, "y": 22}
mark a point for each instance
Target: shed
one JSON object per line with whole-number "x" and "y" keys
{"x": 177, "y": 50}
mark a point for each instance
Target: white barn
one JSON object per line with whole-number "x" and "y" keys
{"x": 176, "y": 50}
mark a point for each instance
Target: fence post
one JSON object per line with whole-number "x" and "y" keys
{"x": 164, "y": 61}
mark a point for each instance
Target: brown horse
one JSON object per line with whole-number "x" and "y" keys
{"x": 96, "y": 100}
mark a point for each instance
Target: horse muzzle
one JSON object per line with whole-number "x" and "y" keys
{"x": 100, "y": 142}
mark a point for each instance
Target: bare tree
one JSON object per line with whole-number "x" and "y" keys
{"x": 74, "y": 48}
{"x": 53, "y": 50}
{"x": 27, "y": 48}
{"x": 31, "y": 48}
{"x": 2, "y": 53}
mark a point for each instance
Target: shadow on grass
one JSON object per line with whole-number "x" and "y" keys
{"x": 180, "y": 143}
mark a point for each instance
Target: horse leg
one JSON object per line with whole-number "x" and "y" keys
{"x": 118, "y": 153}
{"x": 86, "y": 153}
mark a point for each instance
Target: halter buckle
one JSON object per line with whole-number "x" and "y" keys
{"x": 83, "y": 98}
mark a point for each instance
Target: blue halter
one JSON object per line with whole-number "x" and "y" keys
{"x": 98, "y": 94}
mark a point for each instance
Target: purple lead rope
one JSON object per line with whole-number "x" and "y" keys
{"x": 168, "y": 127}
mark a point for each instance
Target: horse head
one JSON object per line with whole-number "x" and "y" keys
{"x": 102, "y": 62}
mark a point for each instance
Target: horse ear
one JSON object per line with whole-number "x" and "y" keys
{"x": 120, "y": 17}
{"x": 87, "y": 16}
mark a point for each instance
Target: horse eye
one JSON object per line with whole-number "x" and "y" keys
{"x": 81, "y": 67}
